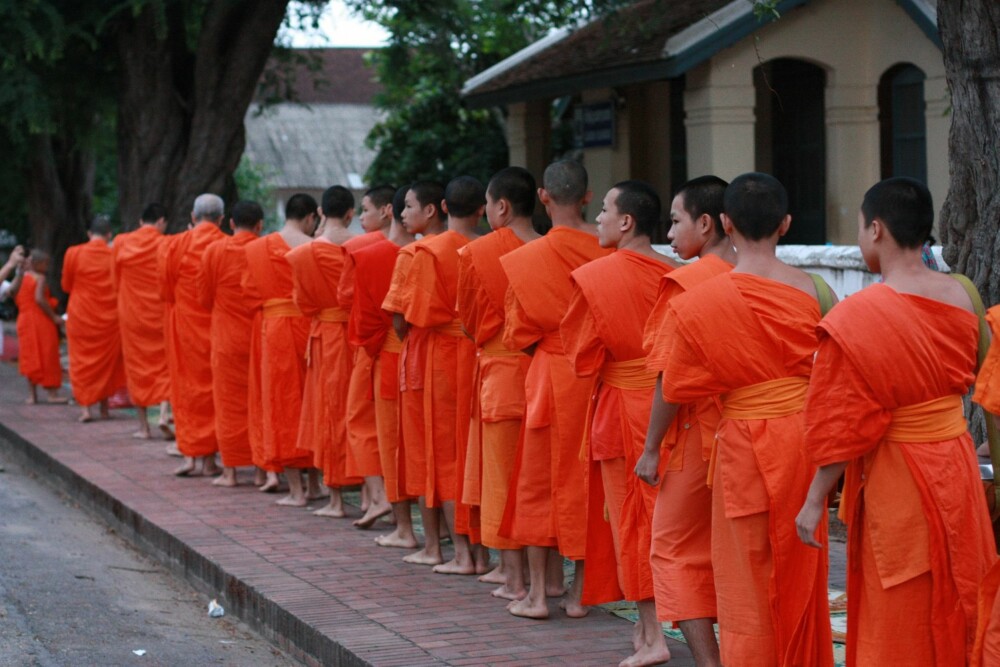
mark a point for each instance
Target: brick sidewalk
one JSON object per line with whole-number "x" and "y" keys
{"x": 318, "y": 587}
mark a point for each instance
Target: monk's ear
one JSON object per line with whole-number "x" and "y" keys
{"x": 259, "y": 227}
{"x": 444, "y": 206}
{"x": 232, "y": 225}
{"x": 543, "y": 196}
{"x": 627, "y": 224}
{"x": 727, "y": 224}
{"x": 587, "y": 197}
{"x": 705, "y": 225}
{"x": 877, "y": 229}
{"x": 786, "y": 224}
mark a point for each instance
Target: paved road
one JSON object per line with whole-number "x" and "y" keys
{"x": 74, "y": 593}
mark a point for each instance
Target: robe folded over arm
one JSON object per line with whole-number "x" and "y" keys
{"x": 38, "y": 338}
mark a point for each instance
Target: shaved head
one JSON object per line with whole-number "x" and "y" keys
{"x": 566, "y": 182}
{"x": 208, "y": 207}
{"x": 100, "y": 225}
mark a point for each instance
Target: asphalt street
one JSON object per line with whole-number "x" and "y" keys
{"x": 73, "y": 593}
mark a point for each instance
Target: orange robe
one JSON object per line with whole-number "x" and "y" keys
{"x": 220, "y": 289}
{"x": 885, "y": 395}
{"x": 37, "y": 336}
{"x": 548, "y": 499}
{"x": 752, "y": 339}
{"x": 370, "y": 328}
{"x": 362, "y": 434}
{"x": 432, "y": 283}
{"x": 189, "y": 340}
{"x": 141, "y": 315}
{"x": 412, "y": 453}
{"x": 316, "y": 269}
{"x": 987, "y": 647}
{"x": 681, "y": 550}
{"x": 498, "y": 394}
{"x": 277, "y": 357}
{"x": 96, "y": 368}
{"x": 602, "y": 334}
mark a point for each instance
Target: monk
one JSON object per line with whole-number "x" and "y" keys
{"x": 189, "y": 337}
{"x": 546, "y": 508}
{"x": 602, "y": 334}
{"x": 422, "y": 215}
{"x": 498, "y": 394}
{"x": 362, "y": 433}
{"x": 278, "y": 352}
{"x": 749, "y": 335}
{"x": 432, "y": 284}
{"x": 370, "y": 327}
{"x": 316, "y": 271}
{"x": 141, "y": 318}
{"x": 38, "y": 329}
{"x": 220, "y": 291}
{"x": 96, "y": 369}
{"x": 681, "y": 550}
{"x": 885, "y": 403}
{"x": 986, "y": 649}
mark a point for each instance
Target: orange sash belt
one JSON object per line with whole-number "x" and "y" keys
{"x": 453, "y": 328}
{"x": 932, "y": 421}
{"x": 281, "y": 308}
{"x": 552, "y": 343}
{"x": 334, "y": 314}
{"x": 766, "y": 400}
{"x": 631, "y": 374}
{"x": 494, "y": 347}
{"x": 392, "y": 342}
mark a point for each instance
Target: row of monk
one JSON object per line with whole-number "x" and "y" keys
{"x": 674, "y": 430}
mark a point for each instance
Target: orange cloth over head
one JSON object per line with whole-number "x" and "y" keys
{"x": 681, "y": 550}
{"x": 548, "y": 500}
{"x": 141, "y": 314}
{"x": 277, "y": 357}
{"x": 886, "y": 396}
{"x": 498, "y": 391}
{"x": 316, "y": 269}
{"x": 222, "y": 267}
{"x": 37, "y": 337}
{"x": 602, "y": 334}
{"x": 96, "y": 367}
{"x": 432, "y": 285}
{"x": 370, "y": 328}
{"x": 189, "y": 336}
{"x": 731, "y": 332}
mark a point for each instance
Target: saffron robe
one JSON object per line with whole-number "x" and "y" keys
{"x": 362, "y": 434}
{"x": 753, "y": 339}
{"x": 498, "y": 392}
{"x": 602, "y": 330}
{"x": 189, "y": 335}
{"x": 986, "y": 650}
{"x": 96, "y": 368}
{"x": 432, "y": 283}
{"x": 919, "y": 534}
{"x": 370, "y": 328}
{"x": 277, "y": 357}
{"x": 681, "y": 550}
{"x": 37, "y": 336}
{"x": 221, "y": 291}
{"x": 141, "y": 315}
{"x": 412, "y": 452}
{"x": 316, "y": 269}
{"x": 548, "y": 499}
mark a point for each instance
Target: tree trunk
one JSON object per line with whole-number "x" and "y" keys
{"x": 970, "y": 217}
{"x": 180, "y": 112}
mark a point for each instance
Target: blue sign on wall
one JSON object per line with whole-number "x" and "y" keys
{"x": 597, "y": 124}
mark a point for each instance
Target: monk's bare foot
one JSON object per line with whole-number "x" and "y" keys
{"x": 271, "y": 483}
{"x": 168, "y": 433}
{"x": 494, "y": 576}
{"x": 31, "y": 400}
{"x": 638, "y": 638}
{"x": 142, "y": 435}
{"x": 646, "y": 656}
{"x": 396, "y": 541}
{"x": 504, "y": 593}
{"x": 85, "y": 418}
{"x": 525, "y": 609}
{"x": 292, "y": 501}
{"x": 365, "y": 500}
{"x": 186, "y": 468}
{"x": 55, "y": 399}
{"x": 319, "y": 494}
{"x": 259, "y": 478}
{"x": 422, "y": 558}
{"x": 172, "y": 450}
{"x": 374, "y": 513}
{"x": 554, "y": 591}
{"x": 335, "y": 511}
{"x": 105, "y": 413}
{"x": 454, "y": 567}
{"x": 573, "y": 608}
{"x": 227, "y": 478}
{"x": 210, "y": 468}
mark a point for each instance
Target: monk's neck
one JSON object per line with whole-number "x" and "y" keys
{"x": 293, "y": 233}
{"x": 434, "y": 227}
{"x": 641, "y": 245}
{"x": 523, "y": 229}
{"x": 757, "y": 258}
{"x": 464, "y": 226}
{"x": 902, "y": 267}
{"x": 721, "y": 248}
{"x": 399, "y": 235}
{"x": 335, "y": 230}
{"x": 569, "y": 218}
